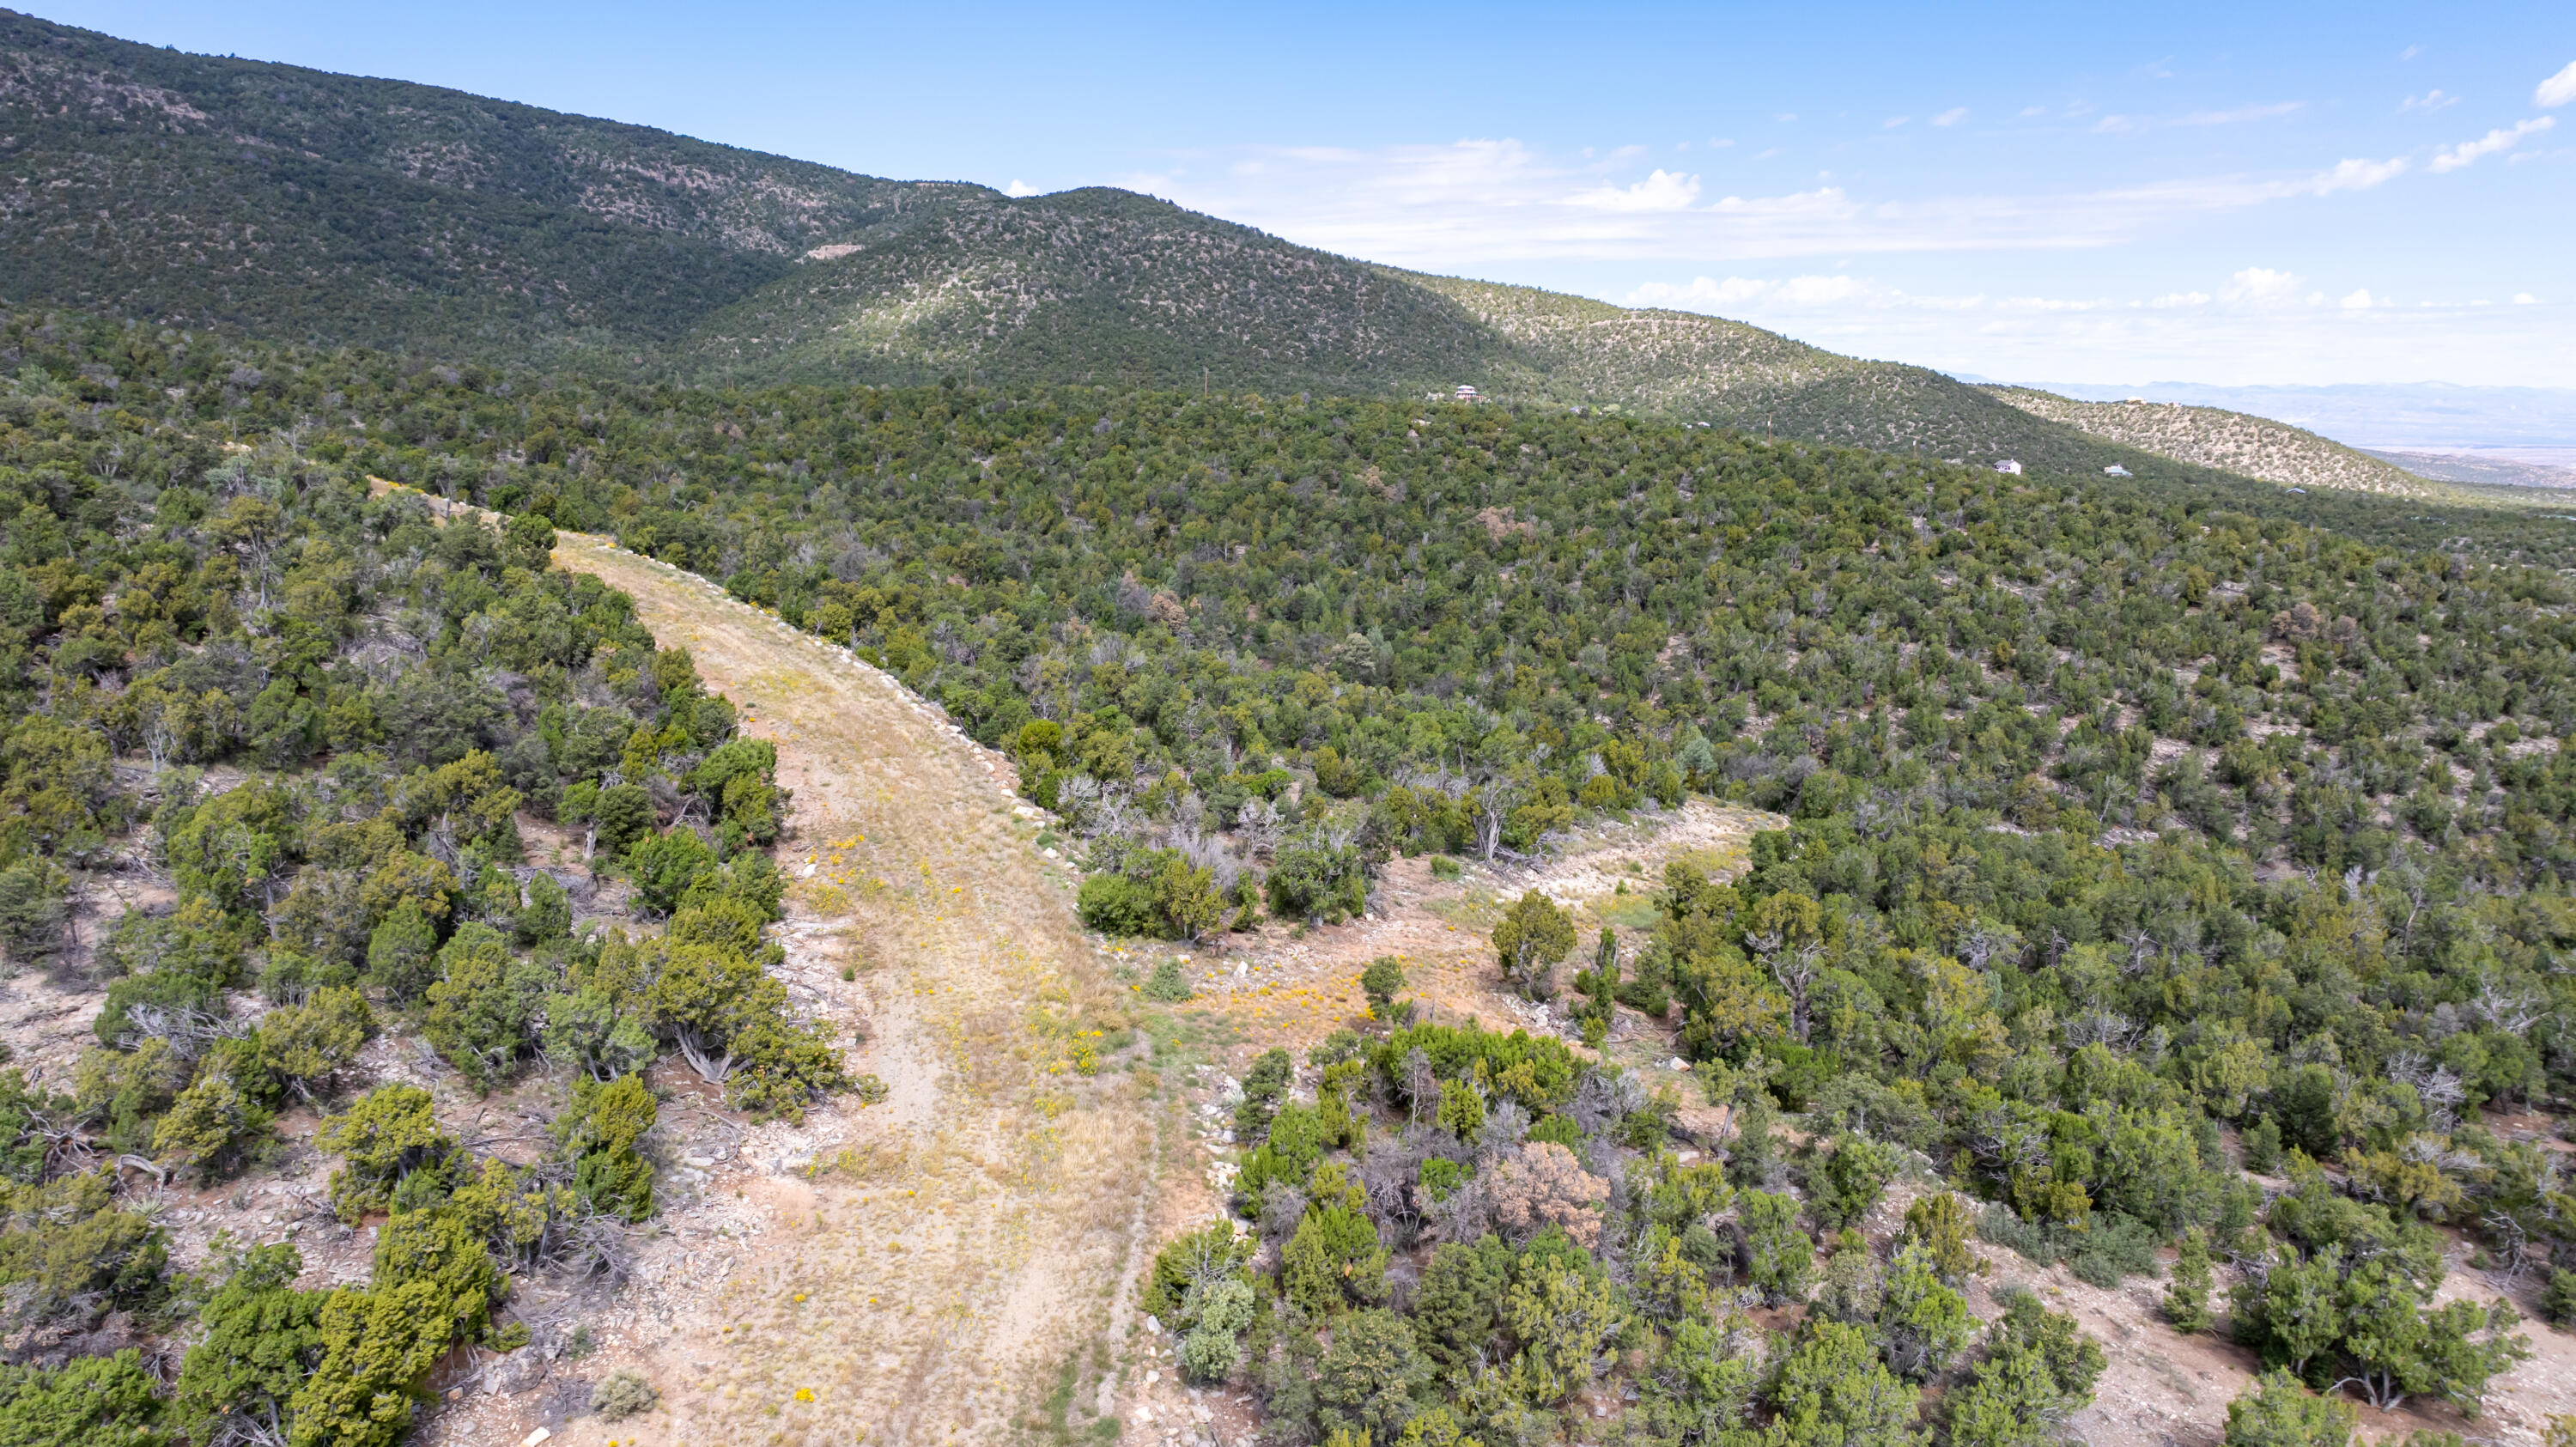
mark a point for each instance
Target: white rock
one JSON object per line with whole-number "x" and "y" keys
{"x": 1678, "y": 1064}
{"x": 1153, "y": 1324}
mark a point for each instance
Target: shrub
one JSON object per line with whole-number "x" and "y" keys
{"x": 212, "y": 1128}
{"x": 68, "y": 1244}
{"x": 622, "y": 1394}
{"x": 482, "y": 1011}
{"x": 2278, "y": 1412}
{"x": 2113, "y": 1247}
{"x": 390, "y": 1134}
{"x": 377, "y": 1347}
{"x": 547, "y": 915}
{"x": 1167, "y": 985}
{"x": 1383, "y": 977}
{"x": 1940, "y": 1224}
{"x": 1116, "y": 905}
{"x": 1532, "y": 938}
{"x": 1546, "y": 1186}
{"x": 599, "y": 1131}
{"x": 1777, "y": 1256}
{"x": 622, "y": 815}
{"x": 34, "y": 900}
{"x": 262, "y": 1339}
{"x": 402, "y": 952}
{"x": 1263, "y": 1085}
{"x": 1316, "y": 882}
{"x": 1849, "y": 1180}
{"x": 92, "y": 1402}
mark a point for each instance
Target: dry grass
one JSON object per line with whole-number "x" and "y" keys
{"x": 921, "y": 1278}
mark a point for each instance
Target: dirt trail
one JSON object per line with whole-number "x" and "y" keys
{"x": 922, "y": 1270}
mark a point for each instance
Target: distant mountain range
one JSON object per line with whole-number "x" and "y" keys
{"x": 306, "y": 206}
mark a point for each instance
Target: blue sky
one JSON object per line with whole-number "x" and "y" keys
{"x": 2228, "y": 194}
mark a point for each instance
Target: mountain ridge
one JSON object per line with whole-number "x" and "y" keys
{"x": 320, "y": 208}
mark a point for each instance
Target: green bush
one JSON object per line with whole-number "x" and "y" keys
{"x": 68, "y": 1244}
{"x": 1379, "y": 982}
{"x": 623, "y": 815}
{"x": 389, "y": 1135}
{"x": 92, "y": 1402}
{"x": 1778, "y": 1257}
{"x": 1533, "y": 937}
{"x": 402, "y": 952}
{"x": 34, "y": 901}
{"x": 1849, "y": 1179}
{"x": 214, "y": 1128}
{"x": 599, "y": 1131}
{"x": 262, "y": 1339}
{"x": 1167, "y": 985}
{"x": 482, "y": 1011}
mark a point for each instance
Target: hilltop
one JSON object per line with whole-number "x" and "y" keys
{"x": 2256, "y": 447}
{"x": 303, "y": 206}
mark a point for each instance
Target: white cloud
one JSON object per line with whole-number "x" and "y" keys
{"x": 2431, "y": 100}
{"x": 1662, "y": 191}
{"x": 1785, "y": 117}
{"x": 1894, "y": 121}
{"x": 1719, "y": 142}
{"x": 2524, "y": 298}
{"x": 2558, "y": 90}
{"x": 2354, "y": 175}
{"x": 2034, "y": 111}
{"x": 1951, "y": 117}
{"x": 2410, "y": 52}
{"x": 2261, "y": 286}
{"x": 2132, "y": 125}
{"x": 1019, "y": 187}
{"x": 2261, "y": 326}
{"x": 2493, "y": 141}
{"x": 2241, "y": 113}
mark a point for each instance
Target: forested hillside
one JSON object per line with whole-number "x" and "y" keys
{"x": 2144, "y": 835}
{"x": 301, "y": 206}
{"x": 317, "y": 721}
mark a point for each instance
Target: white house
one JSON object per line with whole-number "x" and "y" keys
{"x": 1466, "y": 393}
{"x": 2009, "y": 467}
{"x": 2115, "y": 471}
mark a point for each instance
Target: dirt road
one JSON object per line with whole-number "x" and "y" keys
{"x": 934, "y": 1268}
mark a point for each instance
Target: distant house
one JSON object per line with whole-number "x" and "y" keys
{"x": 2115, "y": 471}
{"x": 2009, "y": 467}
{"x": 2133, "y": 401}
{"x": 1466, "y": 393}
